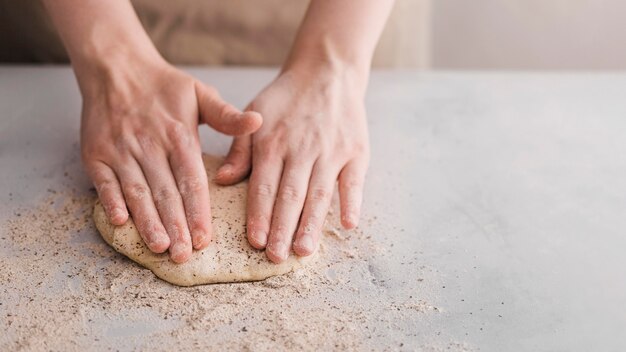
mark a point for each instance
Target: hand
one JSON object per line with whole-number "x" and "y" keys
{"x": 140, "y": 147}
{"x": 314, "y": 132}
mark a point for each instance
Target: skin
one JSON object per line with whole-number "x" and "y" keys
{"x": 304, "y": 132}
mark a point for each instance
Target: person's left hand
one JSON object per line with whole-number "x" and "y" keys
{"x": 314, "y": 133}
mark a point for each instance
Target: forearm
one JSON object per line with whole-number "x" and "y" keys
{"x": 341, "y": 34}
{"x": 100, "y": 35}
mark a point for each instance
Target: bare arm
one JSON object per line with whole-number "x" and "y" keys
{"x": 139, "y": 136}
{"x": 314, "y": 131}
{"x": 342, "y": 34}
{"x": 100, "y": 34}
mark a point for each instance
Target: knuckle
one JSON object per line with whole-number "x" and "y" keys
{"x": 136, "y": 191}
{"x": 122, "y": 142}
{"x": 352, "y": 184}
{"x": 190, "y": 185}
{"x": 263, "y": 190}
{"x": 319, "y": 194}
{"x": 179, "y": 135}
{"x": 146, "y": 142}
{"x": 104, "y": 187}
{"x": 290, "y": 193}
{"x": 165, "y": 196}
{"x": 269, "y": 144}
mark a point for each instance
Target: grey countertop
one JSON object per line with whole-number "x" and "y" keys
{"x": 509, "y": 187}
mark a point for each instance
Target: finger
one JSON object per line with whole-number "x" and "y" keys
{"x": 238, "y": 162}
{"x": 266, "y": 170}
{"x": 351, "y": 181}
{"x": 193, "y": 185}
{"x": 288, "y": 207}
{"x": 316, "y": 207}
{"x": 139, "y": 201}
{"x": 224, "y": 117}
{"x": 109, "y": 192}
{"x": 169, "y": 204}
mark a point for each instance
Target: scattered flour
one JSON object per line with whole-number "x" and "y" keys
{"x": 63, "y": 288}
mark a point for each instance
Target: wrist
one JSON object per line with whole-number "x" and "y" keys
{"x": 101, "y": 36}
{"x": 330, "y": 68}
{"x": 105, "y": 51}
{"x": 112, "y": 64}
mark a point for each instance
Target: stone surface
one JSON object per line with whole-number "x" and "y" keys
{"x": 501, "y": 194}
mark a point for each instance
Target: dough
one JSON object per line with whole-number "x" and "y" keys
{"x": 229, "y": 257}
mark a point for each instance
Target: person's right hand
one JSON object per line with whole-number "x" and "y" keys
{"x": 140, "y": 147}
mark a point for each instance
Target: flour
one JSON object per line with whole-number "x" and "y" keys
{"x": 65, "y": 289}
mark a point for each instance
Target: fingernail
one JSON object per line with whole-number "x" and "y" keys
{"x": 198, "y": 238}
{"x": 225, "y": 170}
{"x": 259, "y": 238}
{"x": 117, "y": 215}
{"x": 179, "y": 252}
{"x": 280, "y": 249}
{"x": 305, "y": 242}
{"x": 350, "y": 220}
{"x": 160, "y": 243}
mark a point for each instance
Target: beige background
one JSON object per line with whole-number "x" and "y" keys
{"x": 214, "y": 32}
{"x": 529, "y": 34}
{"x": 440, "y": 34}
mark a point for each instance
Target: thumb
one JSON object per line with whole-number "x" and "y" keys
{"x": 222, "y": 116}
{"x": 238, "y": 162}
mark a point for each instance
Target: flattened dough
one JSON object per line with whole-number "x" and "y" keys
{"x": 229, "y": 257}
